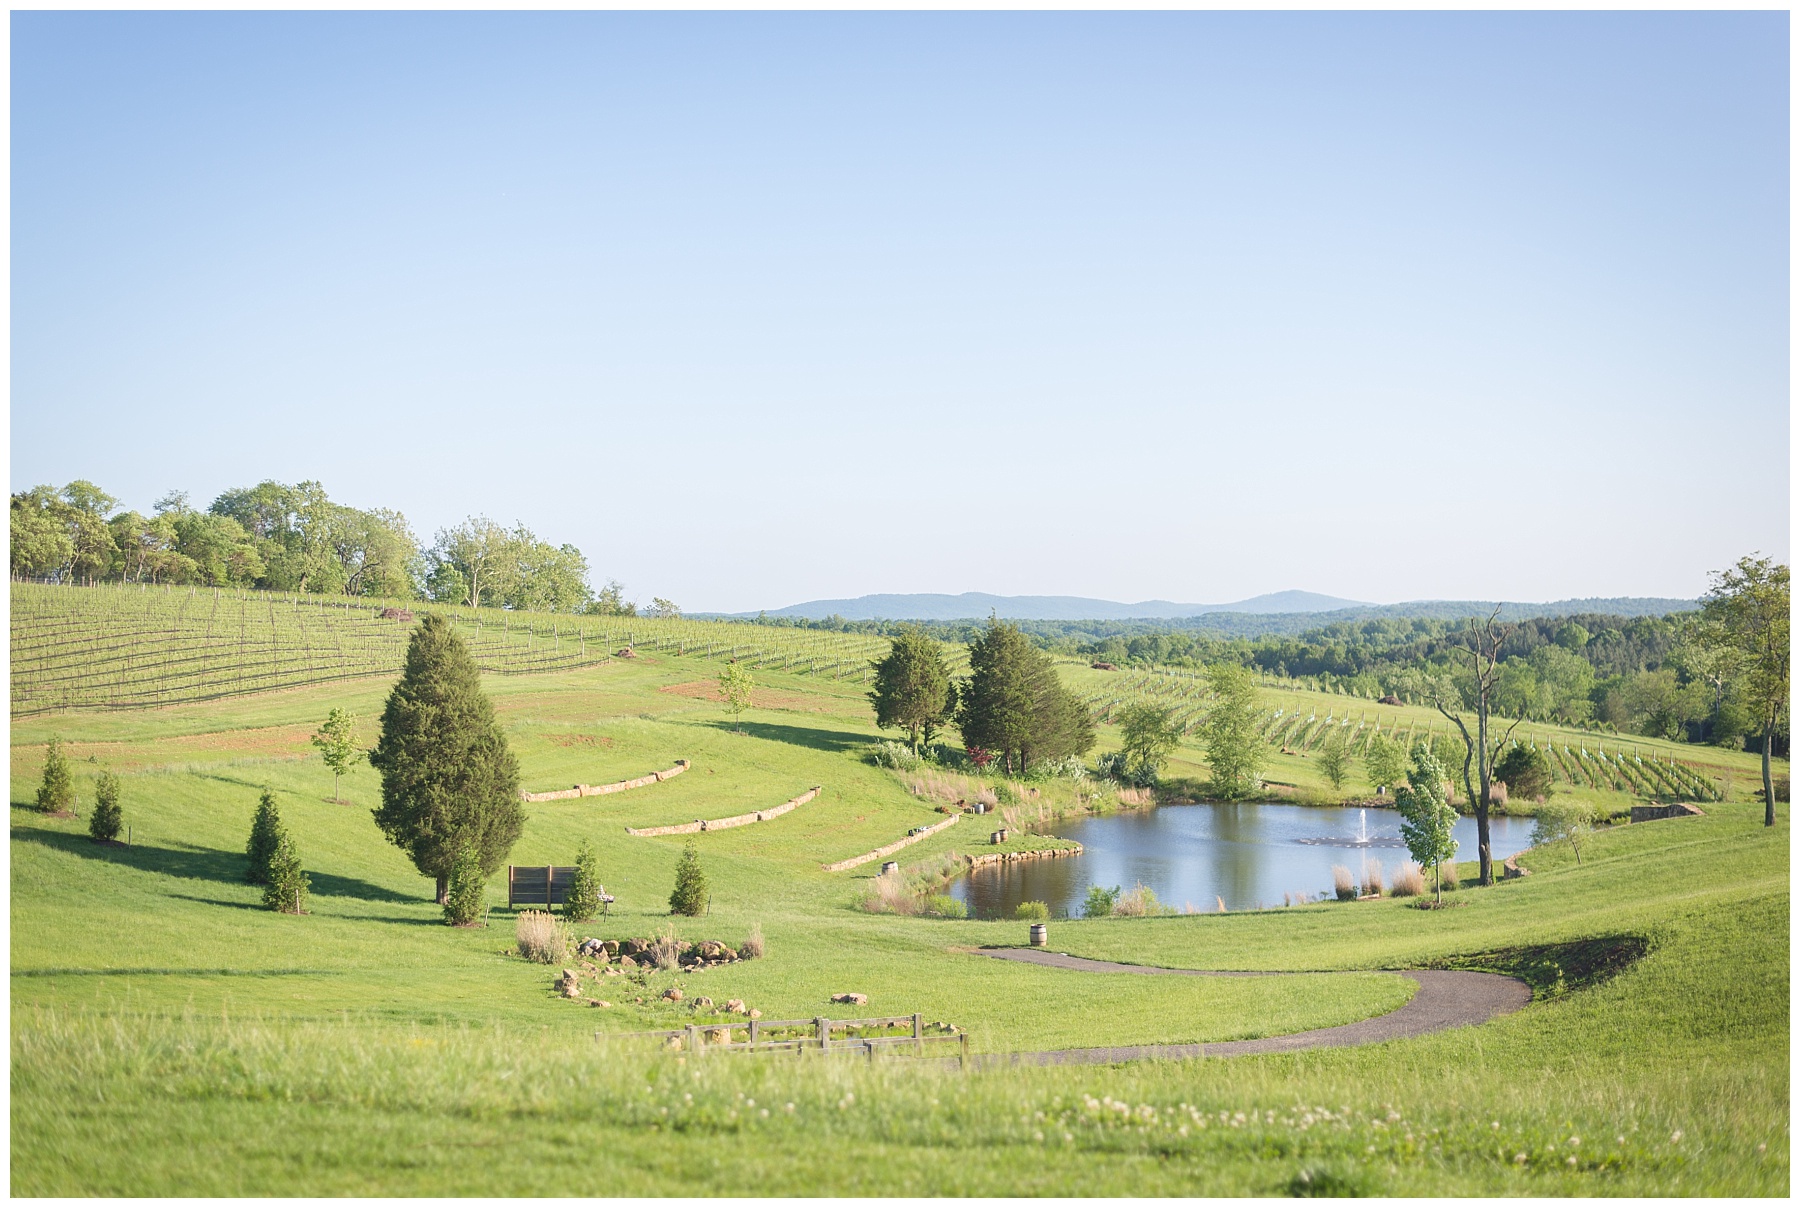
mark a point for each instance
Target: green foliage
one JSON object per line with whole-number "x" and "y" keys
{"x": 482, "y": 564}
{"x": 448, "y": 778}
{"x": 288, "y": 885}
{"x": 1148, "y": 735}
{"x": 1429, "y": 822}
{"x": 1234, "y": 748}
{"x": 1747, "y": 619}
{"x": 1100, "y": 902}
{"x": 737, "y": 686}
{"x": 913, "y": 690}
{"x": 894, "y": 755}
{"x": 56, "y": 793}
{"x": 266, "y": 835}
{"x": 1563, "y": 822}
{"x": 583, "y": 900}
{"x": 1014, "y": 704}
{"x": 943, "y": 906}
{"x": 108, "y": 818}
{"x": 1036, "y": 912}
{"x": 690, "y": 893}
{"x": 1334, "y": 759}
{"x": 465, "y": 899}
{"x": 1526, "y": 773}
{"x": 1385, "y": 761}
{"x": 336, "y": 741}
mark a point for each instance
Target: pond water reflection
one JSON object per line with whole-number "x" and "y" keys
{"x": 1249, "y": 855}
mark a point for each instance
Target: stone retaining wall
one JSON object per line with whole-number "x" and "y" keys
{"x": 600, "y": 790}
{"x": 891, "y": 848}
{"x": 701, "y": 824}
{"x": 1007, "y": 857}
{"x": 1653, "y": 813}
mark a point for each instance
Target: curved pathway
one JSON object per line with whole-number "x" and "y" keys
{"x": 1446, "y": 998}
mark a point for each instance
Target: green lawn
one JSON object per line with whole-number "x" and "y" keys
{"x": 169, "y": 1037}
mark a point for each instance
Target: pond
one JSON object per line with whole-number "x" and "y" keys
{"x": 1249, "y": 855}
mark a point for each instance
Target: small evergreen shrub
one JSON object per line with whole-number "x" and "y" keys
{"x": 1036, "y": 912}
{"x": 1099, "y": 902}
{"x": 541, "y": 938}
{"x": 467, "y": 893}
{"x": 288, "y": 885}
{"x": 689, "y": 896}
{"x": 56, "y": 795}
{"x": 752, "y": 947}
{"x": 108, "y": 819}
{"x": 583, "y": 902}
{"x": 266, "y": 833}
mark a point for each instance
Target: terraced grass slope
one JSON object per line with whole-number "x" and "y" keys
{"x": 169, "y": 1037}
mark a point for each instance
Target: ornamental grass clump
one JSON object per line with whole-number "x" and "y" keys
{"x": 1371, "y": 878}
{"x": 752, "y": 947}
{"x": 1138, "y": 902}
{"x": 1409, "y": 881}
{"x": 1344, "y": 883}
{"x": 541, "y": 937}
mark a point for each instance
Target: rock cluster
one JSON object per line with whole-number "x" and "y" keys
{"x": 636, "y": 953}
{"x": 855, "y": 1000}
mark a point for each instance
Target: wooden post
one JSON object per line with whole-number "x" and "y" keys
{"x": 918, "y": 1035}
{"x": 869, "y": 1051}
{"x": 965, "y": 1051}
{"x": 693, "y": 1039}
{"x": 824, "y": 1026}
{"x": 753, "y": 1035}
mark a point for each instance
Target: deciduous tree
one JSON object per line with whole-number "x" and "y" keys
{"x": 336, "y": 741}
{"x": 1428, "y": 822}
{"x": 1148, "y": 735}
{"x": 1746, "y": 611}
{"x": 1234, "y": 749}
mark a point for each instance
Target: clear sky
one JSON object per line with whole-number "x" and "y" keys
{"x": 762, "y": 308}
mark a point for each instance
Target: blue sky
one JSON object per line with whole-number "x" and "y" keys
{"x": 762, "y": 308}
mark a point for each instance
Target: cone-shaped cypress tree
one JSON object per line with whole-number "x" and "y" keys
{"x": 56, "y": 795}
{"x": 107, "y": 819}
{"x": 447, "y": 776}
{"x": 689, "y": 897}
{"x": 288, "y": 884}
{"x": 266, "y": 834}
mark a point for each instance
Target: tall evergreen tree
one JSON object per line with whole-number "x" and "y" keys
{"x": 56, "y": 795}
{"x": 689, "y": 896}
{"x": 288, "y": 885}
{"x": 913, "y": 690}
{"x": 266, "y": 834}
{"x": 1014, "y": 703}
{"x": 447, "y": 776}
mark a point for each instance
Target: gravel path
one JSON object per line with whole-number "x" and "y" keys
{"x": 1446, "y": 998}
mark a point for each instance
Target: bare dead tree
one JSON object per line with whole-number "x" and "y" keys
{"x": 1483, "y": 639}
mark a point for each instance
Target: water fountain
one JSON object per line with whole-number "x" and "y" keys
{"x": 1361, "y": 840}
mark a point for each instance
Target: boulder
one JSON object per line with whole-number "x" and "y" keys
{"x": 754, "y": 1013}
{"x": 735, "y": 1006}
{"x": 627, "y": 962}
{"x": 598, "y": 1002}
{"x": 702, "y": 1003}
{"x": 855, "y": 1000}
{"x": 672, "y": 994}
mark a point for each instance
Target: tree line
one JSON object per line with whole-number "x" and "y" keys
{"x": 280, "y": 537}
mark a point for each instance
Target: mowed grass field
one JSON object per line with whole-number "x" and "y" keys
{"x": 169, "y": 1037}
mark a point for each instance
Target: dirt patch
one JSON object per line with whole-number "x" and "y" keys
{"x": 761, "y": 698}
{"x": 581, "y": 740}
{"x": 292, "y": 741}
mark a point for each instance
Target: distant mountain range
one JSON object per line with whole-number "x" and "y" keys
{"x": 1324, "y": 609}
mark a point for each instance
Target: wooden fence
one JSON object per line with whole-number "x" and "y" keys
{"x": 815, "y": 1036}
